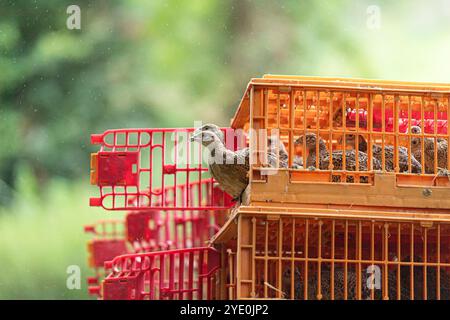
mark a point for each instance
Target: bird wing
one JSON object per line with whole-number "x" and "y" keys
{"x": 230, "y": 170}
{"x": 242, "y": 163}
{"x": 214, "y": 172}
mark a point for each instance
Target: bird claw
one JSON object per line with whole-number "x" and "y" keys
{"x": 312, "y": 168}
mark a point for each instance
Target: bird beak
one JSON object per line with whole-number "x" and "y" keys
{"x": 196, "y": 136}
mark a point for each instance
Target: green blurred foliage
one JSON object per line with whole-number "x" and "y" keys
{"x": 41, "y": 237}
{"x": 140, "y": 63}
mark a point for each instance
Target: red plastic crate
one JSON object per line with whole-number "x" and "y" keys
{"x": 165, "y": 275}
{"x": 142, "y": 169}
{"x": 102, "y": 250}
{"x": 148, "y": 231}
{"x": 107, "y": 228}
{"x": 108, "y": 243}
{"x": 163, "y": 230}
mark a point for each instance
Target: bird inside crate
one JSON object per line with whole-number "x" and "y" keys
{"x": 299, "y": 258}
{"x": 351, "y": 127}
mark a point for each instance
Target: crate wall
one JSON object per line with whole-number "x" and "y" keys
{"x": 164, "y": 275}
{"x": 377, "y": 117}
{"x": 108, "y": 241}
{"x": 147, "y": 231}
{"x": 301, "y": 257}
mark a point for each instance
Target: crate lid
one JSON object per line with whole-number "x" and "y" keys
{"x": 334, "y": 83}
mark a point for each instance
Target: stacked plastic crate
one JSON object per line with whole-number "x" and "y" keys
{"x": 335, "y": 228}
{"x": 172, "y": 206}
{"x": 326, "y": 227}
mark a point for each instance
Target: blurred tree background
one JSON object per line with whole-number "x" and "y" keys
{"x": 138, "y": 63}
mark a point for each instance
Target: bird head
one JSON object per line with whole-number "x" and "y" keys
{"x": 415, "y": 142}
{"x": 310, "y": 140}
{"x": 206, "y": 138}
{"x": 214, "y": 129}
{"x": 350, "y": 141}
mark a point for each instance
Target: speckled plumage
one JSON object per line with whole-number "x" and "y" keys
{"x": 429, "y": 150}
{"x": 431, "y": 276}
{"x": 232, "y": 173}
{"x": 337, "y": 157}
{"x": 377, "y": 152}
{"x": 325, "y": 284}
{"x": 339, "y": 280}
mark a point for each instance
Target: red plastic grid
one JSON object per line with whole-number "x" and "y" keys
{"x": 102, "y": 250}
{"x": 108, "y": 242}
{"x": 166, "y": 275}
{"x": 148, "y": 231}
{"x": 142, "y": 169}
{"x": 163, "y": 230}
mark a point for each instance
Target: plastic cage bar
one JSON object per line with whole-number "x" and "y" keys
{"x": 141, "y": 169}
{"x": 298, "y": 257}
{"x": 166, "y": 275}
{"x": 407, "y": 120}
{"x": 147, "y": 231}
{"x": 108, "y": 242}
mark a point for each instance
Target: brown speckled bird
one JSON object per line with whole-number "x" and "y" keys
{"x": 324, "y": 156}
{"x": 311, "y": 147}
{"x": 230, "y": 169}
{"x": 377, "y": 152}
{"x": 431, "y": 287}
{"x": 276, "y": 146}
{"x": 429, "y": 149}
{"x": 325, "y": 284}
{"x": 287, "y": 279}
{"x": 297, "y": 163}
{"x": 227, "y": 167}
{"x": 339, "y": 281}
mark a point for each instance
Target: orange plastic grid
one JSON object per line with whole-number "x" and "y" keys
{"x": 305, "y": 257}
{"x": 380, "y": 113}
